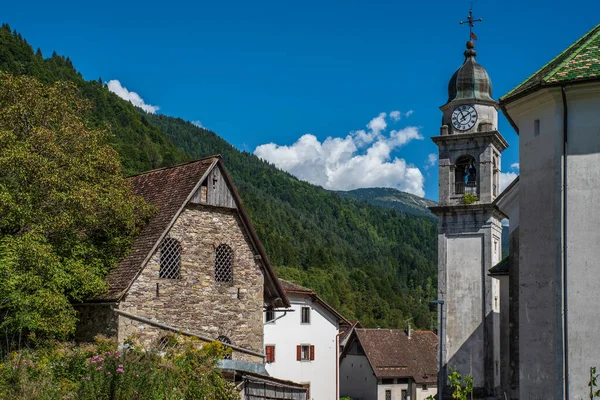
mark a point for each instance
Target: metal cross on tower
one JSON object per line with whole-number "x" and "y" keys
{"x": 471, "y": 23}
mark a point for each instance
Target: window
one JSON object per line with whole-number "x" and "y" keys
{"x": 388, "y": 395}
{"x": 387, "y": 381}
{"x": 224, "y": 264}
{"x": 465, "y": 175}
{"x": 269, "y": 315}
{"x": 305, "y": 315}
{"x": 225, "y": 340}
{"x": 536, "y": 127}
{"x": 404, "y": 394}
{"x": 305, "y": 352}
{"x": 424, "y": 387}
{"x": 270, "y": 353}
{"x": 170, "y": 259}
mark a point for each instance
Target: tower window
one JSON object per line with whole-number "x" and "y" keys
{"x": 465, "y": 175}
{"x": 536, "y": 127}
{"x": 224, "y": 264}
{"x": 305, "y": 315}
{"x": 170, "y": 259}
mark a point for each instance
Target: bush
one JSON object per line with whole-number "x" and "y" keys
{"x": 185, "y": 370}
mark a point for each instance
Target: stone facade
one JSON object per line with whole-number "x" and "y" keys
{"x": 196, "y": 302}
{"x": 95, "y": 319}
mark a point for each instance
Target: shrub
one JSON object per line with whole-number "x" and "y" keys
{"x": 104, "y": 371}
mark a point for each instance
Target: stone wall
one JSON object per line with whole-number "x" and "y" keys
{"x": 95, "y": 320}
{"x": 196, "y": 302}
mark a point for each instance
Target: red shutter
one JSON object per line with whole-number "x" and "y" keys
{"x": 298, "y": 353}
{"x": 270, "y": 350}
{"x": 312, "y": 353}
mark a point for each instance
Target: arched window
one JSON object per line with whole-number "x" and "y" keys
{"x": 226, "y": 340}
{"x": 170, "y": 259}
{"x": 465, "y": 175}
{"x": 224, "y": 264}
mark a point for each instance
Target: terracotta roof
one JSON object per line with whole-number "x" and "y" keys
{"x": 293, "y": 287}
{"x": 580, "y": 62}
{"x": 393, "y": 355}
{"x": 169, "y": 189}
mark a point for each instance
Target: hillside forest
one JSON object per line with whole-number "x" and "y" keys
{"x": 371, "y": 262}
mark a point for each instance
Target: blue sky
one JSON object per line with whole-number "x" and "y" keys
{"x": 260, "y": 72}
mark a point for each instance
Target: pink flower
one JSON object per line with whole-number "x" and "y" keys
{"x": 88, "y": 378}
{"x": 99, "y": 368}
{"x": 137, "y": 375}
{"x": 108, "y": 373}
{"x": 120, "y": 370}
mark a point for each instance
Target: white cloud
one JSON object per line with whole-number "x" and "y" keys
{"x": 197, "y": 123}
{"x": 432, "y": 159}
{"x": 360, "y": 159}
{"x": 134, "y": 98}
{"x": 506, "y": 178}
{"x": 515, "y": 165}
{"x": 397, "y": 115}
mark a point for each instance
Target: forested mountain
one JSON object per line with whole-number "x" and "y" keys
{"x": 371, "y": 263}
{"x": 392, "y": 198}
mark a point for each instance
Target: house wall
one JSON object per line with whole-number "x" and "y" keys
{"x": 195, "y": 302}
{"x": 288, "y": 332}
{"x": 396, "y": 389}
{"x": 540, "y": 237}
{"x": 357, "y": 379}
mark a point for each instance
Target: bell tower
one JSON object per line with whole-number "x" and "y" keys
{"x": 469, "y": 227}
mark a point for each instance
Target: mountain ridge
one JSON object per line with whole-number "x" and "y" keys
{"x": 371, "y": 263}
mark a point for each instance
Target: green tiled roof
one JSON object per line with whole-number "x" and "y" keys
{"x": 579, "y": 62}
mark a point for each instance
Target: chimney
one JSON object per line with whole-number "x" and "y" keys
{"x": 408, "y": 330}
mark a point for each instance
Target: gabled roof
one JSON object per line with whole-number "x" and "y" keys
{"x": 393, "y": 355}
{"x": 291, "y": 287}
{"x": 580, "y": 62}
{"x": 169, "y": 190}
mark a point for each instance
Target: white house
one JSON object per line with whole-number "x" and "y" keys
{"x": 389, "y": 364}
{"x": 302, "y": 345}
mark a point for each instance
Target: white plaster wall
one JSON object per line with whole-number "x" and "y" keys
{"x": 464, "y": 300}
{"x": 396, "y": 391}
{"x": 357, "y": 379}
{"x": 583, "y": 235}
{"x": 423, "y": 394}
{"x": 540, "y": 369}
{"x": 288, "y": 332}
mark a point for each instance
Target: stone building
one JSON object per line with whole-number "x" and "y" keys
{"x": 198, "y": 267}
{"x": 469, "y": 226}
{"x": 389, "y": 364}
{"x": 554, "y": 227}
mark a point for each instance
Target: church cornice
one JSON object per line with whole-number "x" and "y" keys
{"x": 493, "y": 136}
{"x": 464, "y": 209}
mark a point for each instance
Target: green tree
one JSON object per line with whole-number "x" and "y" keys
{"x": 66, "y": 213}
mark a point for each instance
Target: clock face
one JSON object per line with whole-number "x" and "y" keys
{"x": 464, "y": 117}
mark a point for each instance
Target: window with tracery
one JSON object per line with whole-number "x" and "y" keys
{"x": 170, "y": 259}
{"x": 224, "y": 264}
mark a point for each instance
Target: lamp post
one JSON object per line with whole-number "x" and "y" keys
{"x": 440, "y": 379}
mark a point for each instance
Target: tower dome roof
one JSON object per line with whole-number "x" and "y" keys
{"x": 471, "y": 80}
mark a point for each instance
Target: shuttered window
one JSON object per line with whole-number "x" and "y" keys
{"x": 305, "y": 352}
{"x": 270, "y": 352}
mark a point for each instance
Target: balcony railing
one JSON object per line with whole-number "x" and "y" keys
{"x": 468, "y": 187}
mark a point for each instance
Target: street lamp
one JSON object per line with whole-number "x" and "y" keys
{"x": 440, "y": 336}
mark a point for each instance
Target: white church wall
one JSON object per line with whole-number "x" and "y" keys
{"x": 583, "y": 234}
{"x": 288, "y": 332}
